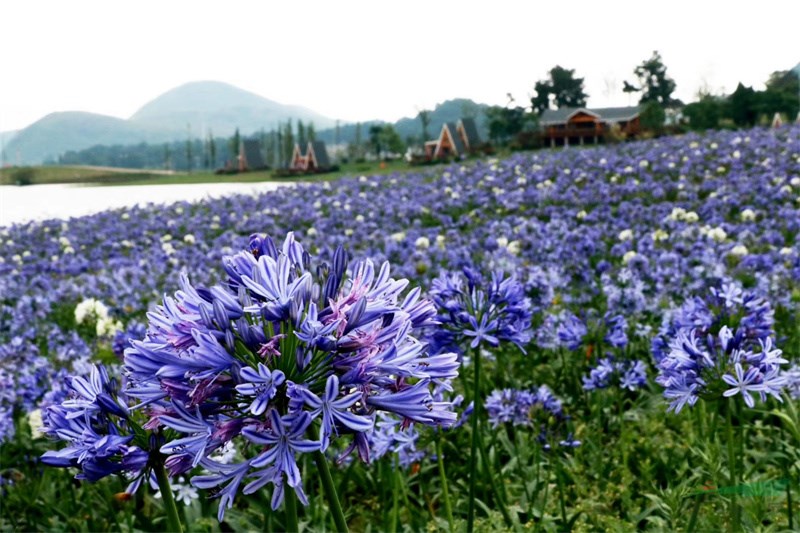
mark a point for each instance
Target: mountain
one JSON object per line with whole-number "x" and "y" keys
{"x": 221, "y": 108}
{"x": 203, "y": 106}
{"x": 56, "y": 133}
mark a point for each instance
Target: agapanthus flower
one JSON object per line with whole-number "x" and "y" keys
{"x": 627, "y": 374}
{"x": 743, "y": 311}
{"x": 478, "y": 313}
{"x": 537, "y": 408}
{"x": 94, "y": 420}
{"x": 726, "y": 364}
{"x": 287, "y": 357}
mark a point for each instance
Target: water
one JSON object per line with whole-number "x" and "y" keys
{"x": 38, "y": 202}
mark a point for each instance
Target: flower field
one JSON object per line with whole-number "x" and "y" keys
{"x": 599, "y": 339}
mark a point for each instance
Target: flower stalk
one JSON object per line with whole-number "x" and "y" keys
{"x": 173, "y": 521}
{"x": 330, "y": 492}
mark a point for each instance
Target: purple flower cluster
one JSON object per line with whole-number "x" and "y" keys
{"x": 480, "y": 313}
{"x": 287, "y": 357}
{"x": 628, "y": 374}
{"x": 538, "y": 408}
{"x": 94, "y": 420}
{"x": 720, "y": 347}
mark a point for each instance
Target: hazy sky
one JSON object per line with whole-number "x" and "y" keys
{"x": 375, "y": 59}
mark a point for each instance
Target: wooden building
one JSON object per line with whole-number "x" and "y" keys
{"x": 455, "y": 139}
{"x": 579, "y": 125}
{"x": 315, "y": 157}
{"x": 250, "y": 156}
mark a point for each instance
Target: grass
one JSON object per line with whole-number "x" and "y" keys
{"x": 108, "y": 176}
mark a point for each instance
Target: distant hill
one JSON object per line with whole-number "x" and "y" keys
{"x": 221, "y": 108}
{"x": 56, "y": 133}
{"x": 205, "y": 106}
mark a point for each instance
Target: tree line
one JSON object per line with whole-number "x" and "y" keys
{"x": 517, "y": 124}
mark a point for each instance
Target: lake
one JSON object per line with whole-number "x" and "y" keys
{"x": 39, "y": 202}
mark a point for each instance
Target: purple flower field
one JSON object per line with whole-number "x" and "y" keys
{"x": 581, "y": 339}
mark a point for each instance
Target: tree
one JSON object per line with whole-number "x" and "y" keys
{"x": 742, "y": 106}
{"x": 189, "y": 148}
{"x": 354, "y": 148}
{"x": 505, "y": 122}
{"x": 391, "y": 141}
{"x": 654, "y": 84}
{"x": 562, "y": 87}
{"x": 375, "y": 139}
{"x": 425, "y": 119}
{"x": 288, "y": 141}
{"x": 233, "y": 144}
{"x": 705, "y": 113}
{"x": 652, "y": 117}
{"x": 302, "y": 139}
{"x": 310, "y": 132}
{"x": 212, "y": 148}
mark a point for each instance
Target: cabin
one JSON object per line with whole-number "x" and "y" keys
{"x": 250, "y": 156}
{"x": 580, "y": 125}
{"x": 456, "y": 139}
{"x": 314, "y": 159}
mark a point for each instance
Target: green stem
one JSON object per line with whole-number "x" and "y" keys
{"x": 330, "y": 492}
{"x": 173, "y": 521}
{"x": 732, "y": 466}
{"x": 560, "y": 483}
{"x": 473, "y": 451}
{"x": 785, "y": 467}
{"x": 498, "y": 488}
{"x": 448, "y": 510}
{"x": 698, "y": 500}
{"x": 395, "y": 498}
{"x": 290, "y": 502}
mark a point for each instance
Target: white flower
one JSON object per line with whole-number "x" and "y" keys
{"x": 69, "y": 250}
{"x": 644, "y": 163}
{"x": 628, "y": 256}
{"x": 348, "y": 231}
{"x": 677, "y": 213}
{"x": 63, "y": 241}
{"x": 795, "y": 182}
{"x": 660, "y": 235}
{"x": 125, "y": 216}
{"x": 189, "y": 239}
{"x": 739, "y": 250}
{"x": 581, "y": 214}
{"x": 691, "y": 216}
{"x": 748, "y": 215}
{"x": 786, "y": 251}
{"x": 502, "y": 242}
{"x": 106, "y": 327}
{"x": 167, "y": 248}
{"x": 90, "y": 309}
{"x": 359, "y": 218}
{"x": 422, "y": 242}
{"x": 36, "y": 423}
{"x": 625, "y": 235}
{"x": 513, "y": 247}
{"x": 440, "y": 241}
{"x": 718, "y": 234}
{"x": 398, "y": 237}
{"x": 225, "y": 454}
{"x": 185, "y": 493}
{"x": 311, "y": 232}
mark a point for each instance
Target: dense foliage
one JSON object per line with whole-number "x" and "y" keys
{"x": 634, "y": 311}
